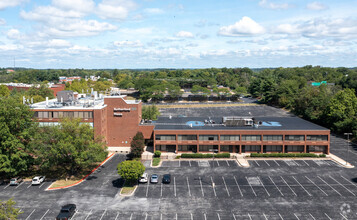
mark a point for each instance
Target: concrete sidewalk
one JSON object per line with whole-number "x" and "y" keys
{"x": 340, "y": 161}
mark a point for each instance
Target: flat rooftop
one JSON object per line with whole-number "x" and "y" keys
{"x": 266, "y": 123}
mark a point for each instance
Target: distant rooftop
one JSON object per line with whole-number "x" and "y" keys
{"x": 215, "y": 123}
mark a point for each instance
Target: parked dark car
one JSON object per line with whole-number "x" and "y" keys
{"x": 66, "y": 212}
{"x": 166, "y": 178}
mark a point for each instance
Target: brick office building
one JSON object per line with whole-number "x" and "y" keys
{"x": 117, "y": 120}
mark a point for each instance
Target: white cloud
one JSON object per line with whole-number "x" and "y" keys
{"x": 13, "y": 34}
{"x": 274, "y": 6}
{"x": 184, "y": 34}
{"x": 79, "y": 28}
{"x": 58, "y": 43}
{"x": 2, "y": 21}
{"x": 63, "y": 21}
{"x": 321, "y": 28}
{"x": 245, "y": 26}
{"x": 127, "y": 43}
{"x": 153, "y": 11}
{"x": 316, "y": 6}
{"x": 84, "y": 6}
{"x": 9, "y": 47}
{"x": 115, "y": 9}
{"x": 10, "y": 3}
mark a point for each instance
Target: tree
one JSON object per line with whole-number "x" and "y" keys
{"x": 4, "y": 91}
{"x": 8, "y": 211}
{"x": 137, "y": 145}
{"x": 150, "y": 112}
{"x": 131, "y": 170}
{"x": 16, "y": 131}
{"x": 68, "y": 148}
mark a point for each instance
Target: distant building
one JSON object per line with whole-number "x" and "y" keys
{"x": 22, "y": 86}
{"x": 69, "y": 79}
{"x": 10, "y": 71}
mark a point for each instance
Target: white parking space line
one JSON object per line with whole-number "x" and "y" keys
{"x": 191, "y": 216}
{"x": 275, "y": 185}
{"x": 214, "y": 190}
{"x": 316, "y": 186}
{"x": 343, "y": 216}
{"x": 317, "y": 163}
{"x": 179, "y": 163}
{"x": 296, "y": 216}
{"x": 131, "y": 216}
{"x": 43, "y": 183}
{"x": 249, "y": 217}
{"x": 19, "y": 185}
{"x": 146, "y": 215}
{"x": 161, "y": 190}
{"x": 203, "y": 195}
{"x": 29, "y": 186}
{"x": 7, "y": 186}
{"x": 238, "y": 186}
{"x": 281, "y": 217}
{"x": 219, "y": 217}
{"x": 348, "y": 181}
{"x": 277, "y": 163}
{"x": 226, "y": 186}
{"x": 176, "y": 216}
{"x": 328, "y": 216}
{"x": 288, "y": 185}
{"x": 329, "y": 185}
{"x": 342, "y": 185}
{"x": 44, "y": 214}
{"x": 251, "y": 186}
{"x": 312, "y": 216}
{"x": 306, "y": 163}
{"x": 204, "y": 214}
{"x": 28, "y": 217}
{"x": 286, "y": 163}
{"x": 267, "y": 163}
{"x": 147, "y": 188}
{"x": 302, "y": 186}
{"x": 175, "y": 186}
{"x": 227, "y": 163}
{"x": 217, "y": 162}
{"x": 297, "y": 164}
{"x": 90, "y": 212}
{"x": 257, "y": 163}
{"x": 263, "y": 185}
{"x": 116, "y": 217}
{"x": 265, "y": 216}
{"x": 189, "y": 162}
{"x": 75, "y": 213}
{"x": 101, "y": 217}
{"x": 188, "y": 186}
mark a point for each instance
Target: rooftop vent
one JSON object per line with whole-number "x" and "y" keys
{"x": 65, "y": 96}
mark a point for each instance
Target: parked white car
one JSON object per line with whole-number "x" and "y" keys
{"x": 38, "y": 180}
{"x": 144, "y": 178}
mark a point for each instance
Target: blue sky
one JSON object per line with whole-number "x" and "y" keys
{"x": 177, "y": 34}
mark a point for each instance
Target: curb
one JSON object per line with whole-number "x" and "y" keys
{"x": 128, "y": 195}
{"x": 83, "y": 179}
{"x": 157, "y": 165}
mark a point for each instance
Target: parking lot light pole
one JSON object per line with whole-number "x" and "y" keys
{"x": 214, "y": 151}
{"x": 348, "y": 145}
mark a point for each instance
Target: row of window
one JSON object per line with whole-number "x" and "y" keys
{"x": 58, "y": 115}
{"x": 245, "y": 148}
{"x": 244, "y": 137}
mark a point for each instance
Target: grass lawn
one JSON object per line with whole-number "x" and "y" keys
{"x": 61, "y": 183}
{"x": 128, "y": 189}
{"x": 156, "y": 161}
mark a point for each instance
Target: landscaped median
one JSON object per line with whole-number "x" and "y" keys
{"x": 62, "y": 184}
{"x": 130, "y": 171}
{"x": 291, "y": 155}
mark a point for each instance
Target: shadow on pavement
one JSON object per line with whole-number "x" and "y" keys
{"x": 118, "y": 183}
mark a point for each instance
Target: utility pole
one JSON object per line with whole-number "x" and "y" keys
{"x": 348, "y": 145}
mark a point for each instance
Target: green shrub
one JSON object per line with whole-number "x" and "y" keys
{"x": 155, "y": 161}
{"x": 157, "y": 153}
{"x": 286, "y": 155}
{"x": 178, "y": 157}
{"x": 199, "y": 155}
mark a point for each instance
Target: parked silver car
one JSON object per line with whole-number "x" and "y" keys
{"x": 154, "y": 178}
{"x": 15, "y": 181}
